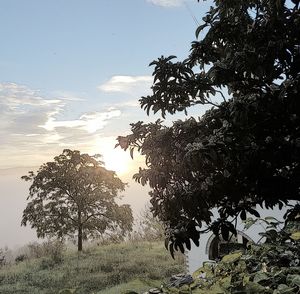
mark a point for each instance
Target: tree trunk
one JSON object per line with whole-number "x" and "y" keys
{"x": 79, "y": 241}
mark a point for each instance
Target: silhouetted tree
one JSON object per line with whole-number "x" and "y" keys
{"x": 75, "y": 194}
{"x": 245, "y": 150}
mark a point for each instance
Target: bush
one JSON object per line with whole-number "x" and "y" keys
{"x": 52, "y": 249}
{"x": 2, "y": 257}
{"x": 21, "y": 258}
{"x": 272, "y": 267}
{"x": 47, "y": 263}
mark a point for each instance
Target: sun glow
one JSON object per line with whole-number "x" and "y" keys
{"x": 117, "y": 160}
{"x": 114, "y": 159}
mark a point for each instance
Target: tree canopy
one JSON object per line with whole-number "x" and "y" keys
{"x": 75, "y": 195}
{"x": 245, "y": 150}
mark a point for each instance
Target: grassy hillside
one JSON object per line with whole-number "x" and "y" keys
{"x": 106, "y": 269}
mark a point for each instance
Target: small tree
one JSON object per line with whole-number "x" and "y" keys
{"x": 149, "y": 227}
{"x": 245, "y": 150}
{"x": 75, "y": 194}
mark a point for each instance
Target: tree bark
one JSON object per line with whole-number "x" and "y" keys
{"x": 79, "y": 240}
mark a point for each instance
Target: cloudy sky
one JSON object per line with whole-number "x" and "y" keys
{"x": 71, "y": 73}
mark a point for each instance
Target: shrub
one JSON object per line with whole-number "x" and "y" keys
{"x": 272, "y": 267}
{"x": 47, "y": 263}
{"x": 2, "y": 257}
{"x": 21, "y": 258}
{"x": 52, "y": 249}
{"x": 148, "y": 227}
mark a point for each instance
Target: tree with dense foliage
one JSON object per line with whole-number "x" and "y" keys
{"x": 245, "y": 150}
{"x": 75, "y": 195}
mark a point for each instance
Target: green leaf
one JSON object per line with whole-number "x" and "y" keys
{"x": 295, "y": 236}
{"x": 131, "y": 152}
{"x": 171, "y": 248}
{"x": 225, "y": 283}
{"x": 246, "y": 280}
{"x": 253, "y": 212}
{"x": 261, "y": 276}
{"x": 167, "y": 240}
{"x": 243, "y": 215}
{"x": 284, "y": 289}
{"x": 255, "y": 288}
{"x": 225, "y": 232}
{"x": 271, "y": 219}
{"x": 199, "y": 29}
{"x": 230, "y": 258}
{"x": 293, "y": 280}
{"x": 188, "y": 244}
{"x": 249, "y": 222}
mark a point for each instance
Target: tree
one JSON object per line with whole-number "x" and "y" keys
{"x": 245, "y": 150}
{"x": 149, "y": 228}
{"x": 75, "y": 194}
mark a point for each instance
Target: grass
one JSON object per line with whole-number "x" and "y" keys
{"x": 106, "y": 269}
{"x": 138, "y": 285}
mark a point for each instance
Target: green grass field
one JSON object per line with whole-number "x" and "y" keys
{"x": 107, "y": 269}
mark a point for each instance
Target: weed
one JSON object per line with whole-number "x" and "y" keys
{"x": 98, "y": 269}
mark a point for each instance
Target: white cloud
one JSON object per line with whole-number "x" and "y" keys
{"x": 66, "y": 95}
{"x": 129, "y": 103}
{"x": 90, "y": 122}
{"x": 127, "y": 84}
{"x": 23, "y": 109}
{"x": 167, "y": 3}
{"x": 32, "y": 128}
{"x": 14, "y": 96}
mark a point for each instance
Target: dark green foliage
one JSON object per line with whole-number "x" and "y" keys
{"x": 75, "y": 195}
{"x": 272, "y": 267}
{"x": 20, "y": 258}
{"x": 245, "y": 150}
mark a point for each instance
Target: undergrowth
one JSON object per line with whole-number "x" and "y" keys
{"x": 92, "y": 271}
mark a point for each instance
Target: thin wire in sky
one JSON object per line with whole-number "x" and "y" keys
{"x": 191, "y": 13}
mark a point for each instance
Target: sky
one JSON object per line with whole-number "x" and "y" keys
{"x": 71, "y": 74}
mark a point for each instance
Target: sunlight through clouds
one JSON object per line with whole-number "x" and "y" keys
{"x": 116, "y": 159}
{"x": 33, "y": 124}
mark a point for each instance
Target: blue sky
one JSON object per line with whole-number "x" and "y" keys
{"x": 71, "y": 74}
{"x": 71, "y": 71}
{"x": 77, "y": 44}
